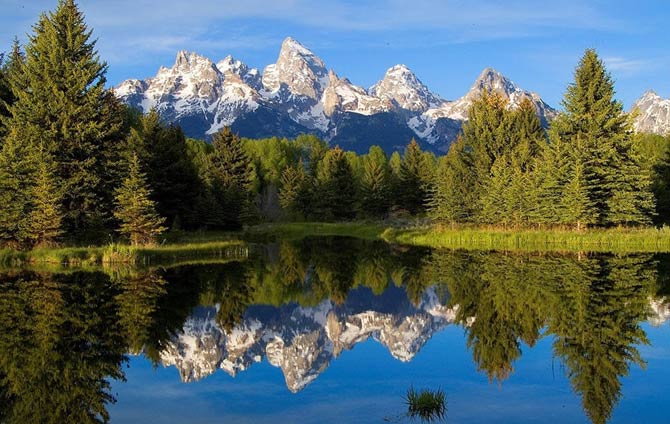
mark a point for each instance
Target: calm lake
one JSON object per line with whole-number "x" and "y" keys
{"x": 337, "y": 330}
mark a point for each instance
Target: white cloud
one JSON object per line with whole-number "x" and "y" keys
{"x": 626, "y": 66}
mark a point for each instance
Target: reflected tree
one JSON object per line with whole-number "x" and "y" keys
{"x": 59, "y": 347}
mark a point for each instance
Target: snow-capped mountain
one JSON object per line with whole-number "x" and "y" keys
{"x": 652, "y": 114}
{"x": 303, "y": 340}
{"x": 298, "y": 94}
{"x": 405, "y": 90}
{"x": 195, "y": 93}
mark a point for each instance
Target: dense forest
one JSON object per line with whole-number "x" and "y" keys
{"x": 76, "y": 165}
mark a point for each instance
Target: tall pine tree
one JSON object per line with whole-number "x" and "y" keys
{"x": 413, "y": 179}
{"x": 375, "y": 190}
{"x": 62, "y": 105}
{"x": 231, "y": 178}
{"x": 594, "y": 124}
{"x": 335, "y": 187}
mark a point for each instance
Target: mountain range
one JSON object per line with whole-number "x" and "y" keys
{"x": 302, "y": 341}
{"x": 298, "y": 94}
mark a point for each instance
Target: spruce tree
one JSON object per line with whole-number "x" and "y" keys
{"x": 10, "y": 74}
{"x": 450, "y": 199}
{"x": 335, "y": 187}
{"x": 62, "y": 104}
{"x": 135, "y": 210}
{"x": 293, "y": 191}
{"x": 375, "y": 188}
{"x": 162, "y": 151}
{"x": 551, "y": 173}
{"x": 44, "y": 223}
{"x": 16, "y": 175}
{"x": 597, "y": 128}
{"x": 575, "y": 202}
{"x": 231, "y": 178}
{"x": 413, "y": 179}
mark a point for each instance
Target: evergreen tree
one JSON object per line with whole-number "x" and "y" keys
{"x": 335, "y": 187}
{"x": 375, "y": 189}
{"x": 62, "y": 104}
{"x": 449, "y": 198}
{"x": 44, "y": 223}
{"x": 595, "y": 125}
{"x": 487, "y": 136}
{"x": 16, "y": 175}
{"x": 413, "y": 179}
{"x": 162, "y": 151}
{"x": 294, "y": 191}
{"x": 231, "y": 178}
{"x": 135, "y": 209}
{"x": 10, "y": 71}
{"x": 575, "y": 201}
{"x": 551, "y": 173}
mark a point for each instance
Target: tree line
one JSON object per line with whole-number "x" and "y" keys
{"x": 76, "y": 164}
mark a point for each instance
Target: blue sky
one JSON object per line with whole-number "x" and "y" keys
{"x": 446, "y": 43}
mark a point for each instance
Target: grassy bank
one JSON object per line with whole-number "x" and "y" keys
{"x": 204, "y": 246}
{"x": 298, "y": 230}
{"x": 603, "y": 240}
{"x": 123, "y": 254}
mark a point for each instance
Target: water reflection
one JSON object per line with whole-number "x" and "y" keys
{"x": 299, "y": 305}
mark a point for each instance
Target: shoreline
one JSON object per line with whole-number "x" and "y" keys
{"x": 218, "y": 245}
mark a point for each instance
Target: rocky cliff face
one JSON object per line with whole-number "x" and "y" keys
{"x": 652, "y": 114}
{"x": 303, "y": 341}
{"x": 298, "y": 94}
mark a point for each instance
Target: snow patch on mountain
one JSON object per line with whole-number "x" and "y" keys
{"x": 300, "y": 340}
{"x": 652, "y": 114}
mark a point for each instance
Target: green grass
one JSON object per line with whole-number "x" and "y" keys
{"x": 199, "y": 246}
{"x": 426, "y": 404}
{"x": 606, "y": 240}
{"x": 124, "y": 254}
{"x": 298, "y": 230}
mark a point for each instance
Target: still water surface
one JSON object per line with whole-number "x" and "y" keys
{"x": 336, "y": 330}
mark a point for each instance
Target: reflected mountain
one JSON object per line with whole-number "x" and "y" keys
{"x": 298, "y": 305}
{"x": 303, "y": 340}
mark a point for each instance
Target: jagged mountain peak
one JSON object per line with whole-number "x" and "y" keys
{"x": 292, "y": 45}
{"x": 402, "y": 86}
{"x": 491, "y": 80}
{"x": 298, "y": 94}
{"x": 652, "y": 114}
{"x": 187, "y": 60}
{"x": 299, "y": 69}
{"x": 230, "y": 65}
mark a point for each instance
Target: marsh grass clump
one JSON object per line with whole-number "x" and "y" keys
{"x": 426, "y": 404}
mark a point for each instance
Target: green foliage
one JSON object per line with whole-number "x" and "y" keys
{"x": 231, "y": 178}
{"x": 414, "y": 179}
{"x": 63, "y": 106}
{"x": 173, "y": 177}
{"x": 294, "y": 191}
{"x": 44, "y": 222}
{"x": 375, "y": 186}
{"x": 135, "y": 210}
{"x": 335, "y": 187}
{"x": 10, "y": 74}
{"x": 428, "y": 405}
{"x": 16, "y": 175}
{"x": 598, "y": 131}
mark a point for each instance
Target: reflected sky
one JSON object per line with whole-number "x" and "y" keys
{"x": 367, "y": 384}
